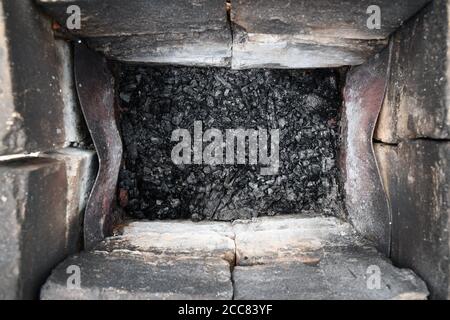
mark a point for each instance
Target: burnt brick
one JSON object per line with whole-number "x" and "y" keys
{"x": 186, "y": 32}
{"x": 417, "y": 181}
{"x": 81, "y": 170}
{"x": 39, "y": 109}
{"x": 33, "y": 228}
{"x": 129, "y": 275}
{"x": 305, "y": 34}
{"x": 416, "y": 103}
{"x": 42, "y": 202}
{"x": 340, "y": 275}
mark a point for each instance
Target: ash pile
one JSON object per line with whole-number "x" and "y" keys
{"x": 302, "y": 105}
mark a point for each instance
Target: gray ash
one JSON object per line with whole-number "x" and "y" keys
{"x": 303, "y": 105}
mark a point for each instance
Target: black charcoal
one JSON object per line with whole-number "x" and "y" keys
{"x": 303, "y": 104}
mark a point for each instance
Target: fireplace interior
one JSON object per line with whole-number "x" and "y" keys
{"x": 224, "y": 149}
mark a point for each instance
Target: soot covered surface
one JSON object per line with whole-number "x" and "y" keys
{"x": 303, "y": 105}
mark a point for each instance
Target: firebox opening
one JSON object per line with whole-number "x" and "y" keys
{"x": 182, "y": 127}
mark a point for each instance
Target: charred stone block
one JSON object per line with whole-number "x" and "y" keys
{"x": 342, "y": 274}
{"x": 138, "y": 276}
{"x": 33, "y": 228}
{"x": 42, "y": 205}
{"x": 416, "y": 176}
{"x": 81, "y": 171}
{"x": 333, "y": 19}
{"x": 113, "y": 18}
{"x": 272, "y": 240}
{"x": 252, "y": 50}
{"x": 38, "y": 108}
{"x": 416, "y": 103}
{"x": 176, "y": 238}
{"x": 175, "y": 32}
{"x": 209, "y": 48}
{"x": 305, "y": 34}
{"x": 302, "y": 105}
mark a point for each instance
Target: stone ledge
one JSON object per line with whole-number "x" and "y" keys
{"x": 342, "y": 274}
{"x": 209, "y": 48}
{"x": 184, "y": 260}
{"x": 270, "y": 240}
{"x": 139, "y": 276}
{"x": 177, "y": 238}
{"x": 297, "y": 51}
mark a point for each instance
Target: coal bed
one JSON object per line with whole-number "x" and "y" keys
{"x": 177, "y": 126}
